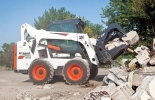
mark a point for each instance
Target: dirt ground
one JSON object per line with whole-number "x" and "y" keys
{"x": 14, "y": 86}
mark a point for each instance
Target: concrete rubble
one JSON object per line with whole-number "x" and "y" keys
{"x": 25, "y": 96}
{"x": 45, "y": 98}
{"x": 46, "y": 86}
{"x": 117, "y": 75}
{"x": 122, "y": 92}
{"x": 99, "y": 93}
{"x": 140, "y": 95}
{"x": 132, "y": 82}
{"x": 131, "y": 38}
{"x": 146, "y": 90}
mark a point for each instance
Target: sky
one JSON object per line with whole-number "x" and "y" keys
{"x": 14, "y": 13}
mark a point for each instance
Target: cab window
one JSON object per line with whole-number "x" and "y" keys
{"x": 64, "y": 27}
{"x": 66, "y": 45}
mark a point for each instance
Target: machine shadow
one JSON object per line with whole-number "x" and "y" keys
{"x": 28, "y": 80}
{"x": 56, "y": 79}
{"x": 99, "y": 78}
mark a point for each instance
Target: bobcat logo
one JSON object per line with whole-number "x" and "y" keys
{"x": 81, "y": 37}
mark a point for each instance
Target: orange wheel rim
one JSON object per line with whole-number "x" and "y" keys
{"x": 75, "y": 72}
{"x": 39, "y": 72}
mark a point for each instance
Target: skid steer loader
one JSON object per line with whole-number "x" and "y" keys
{"x": 64, "y": 49}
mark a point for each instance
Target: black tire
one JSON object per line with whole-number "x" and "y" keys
{"x": 76, "y": 72}
{"x": 41, "y": 72}
{"x": 93, "y": 72}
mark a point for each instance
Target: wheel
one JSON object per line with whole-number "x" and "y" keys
{"x": 41, "y": 72}
{"x": 93, "y": 72}
{"x": 76, "y": 72}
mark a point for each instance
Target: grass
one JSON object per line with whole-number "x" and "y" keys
{"x": 2, "y": 68}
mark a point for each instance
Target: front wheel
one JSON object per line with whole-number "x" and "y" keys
{"x": 76, "y": 72}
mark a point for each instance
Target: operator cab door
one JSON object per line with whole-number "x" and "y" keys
{"x": 67, "y": 47}
{"x": 72, "y": 26}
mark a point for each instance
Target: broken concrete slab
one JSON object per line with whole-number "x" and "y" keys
{"x": 105, "y": 81}
{"x": 100, "y": 92}
{"x": 48, "y": 86}
{"x": 45, "y": 98}
{"x": 114, "y": 43}
{"x": 148, "y": 85}
{"x": 132, "y": 64}
{"x": 130, "y": 78}
{"x": 141, "y": 49}
{"x": 140, "y": 95}
{"x": 141, "y": 59}
{"x": 149, "y": 70}
{"x": 152, "y": 60}
{"x": 137, "y": 79}
{"x": 140, "y": 74}
{"x": 122, "y": 92}
{"x": 131, "y": 37}
{"x": 117, "y": 75}
{"x": 99, "y": 95}
{"x": 27, "y": 98}
{"x": 143, "y": 55}
{"x": 39, "y": 87}
{"x": 76, "y": 94}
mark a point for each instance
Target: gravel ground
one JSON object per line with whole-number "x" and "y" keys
{"x": 16, "y": 86}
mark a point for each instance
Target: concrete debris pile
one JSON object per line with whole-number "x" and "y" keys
{"x": 25, "y": 96}
{"x": 132, "y": 82}
{"x": 146, "y": 90}
{"x": 117, "y": 75}
{"x": 115, "y": 86}
{"x": 141, "y": 59}
{"x": 124, "y": 91}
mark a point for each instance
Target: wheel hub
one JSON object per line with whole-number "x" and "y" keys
{"x": 40, "y": 72}
{"x": 76, "y": 72}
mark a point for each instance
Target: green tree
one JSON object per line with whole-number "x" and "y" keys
{"x": 118, "y": 11}
{"x": 88, "y": 31}
{"x": 1, "y": 58}
{"x": 60, "y": 14}
{"x": 132, "y": 14}
{"x": 93, "y": 30}
{"x": 52, "y": 15}
{"x": 6, "y": 55}
{"x": 143, "y": 12}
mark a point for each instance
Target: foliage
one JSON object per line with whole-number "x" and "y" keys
{"x": 53, "y": 14}
{"x": 6, "y": 55}
{"x": 88, "y": 31}
{"x": 131, "y": 15}
{"x": 93, "y": 30}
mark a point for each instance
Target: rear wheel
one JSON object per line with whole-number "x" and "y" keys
{"x": 93, "y": 72}
{"x": 76, "y": 72}
{"x": 41, "y": 72}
